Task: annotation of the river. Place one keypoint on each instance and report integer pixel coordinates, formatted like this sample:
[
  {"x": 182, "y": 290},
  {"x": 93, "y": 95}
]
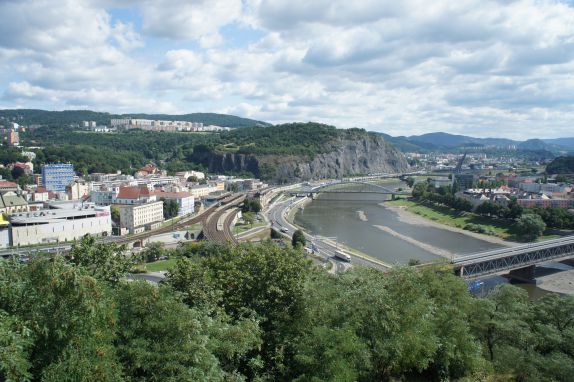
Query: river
[{"x": 362, "y": 222}]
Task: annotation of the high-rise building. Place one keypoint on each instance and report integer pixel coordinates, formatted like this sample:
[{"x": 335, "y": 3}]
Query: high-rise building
[
  {"x": 13, "y": 138},
  {"x": 55, "y": 177}
]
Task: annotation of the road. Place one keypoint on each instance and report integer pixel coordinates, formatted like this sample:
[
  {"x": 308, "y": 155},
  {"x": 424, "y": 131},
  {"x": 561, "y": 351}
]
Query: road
[{"x": 323, "y": 248}]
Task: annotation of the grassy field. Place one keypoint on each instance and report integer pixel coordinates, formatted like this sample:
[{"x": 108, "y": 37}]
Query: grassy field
[
  {"x": 240, "y": 228},
  {"x": 161, "y": 265},
  {"x": 453, "y": 218}
]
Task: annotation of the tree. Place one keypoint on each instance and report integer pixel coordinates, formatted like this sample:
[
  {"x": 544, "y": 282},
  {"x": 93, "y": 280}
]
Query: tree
[
  {"x": 192, "y": 178},
  {"x": 248, "y": 218},
  {"x": 163, "y": 339},
  {"x": 530, "y": 226},
  {"x": 262, "y": 281},
  {"x": 298, "y": 239},
  {"x": 115, "y": 211},
  {"x": 103, "y": 261},
  {"x": 69, "y": 316},
  {"x": 153, "y": 251},
  {"x": 251, "y": 205},
  {"x": 170, "y": 208},
  {"x": 410, "y": 181}
]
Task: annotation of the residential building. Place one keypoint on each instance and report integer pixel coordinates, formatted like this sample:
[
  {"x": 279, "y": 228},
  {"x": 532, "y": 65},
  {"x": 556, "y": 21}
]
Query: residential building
[
  {"x": 10, "y": 202},
  {"x": 186, "y": 174},
  {"x": 134, "y": 195},
  {"x": 201, "y": 190},
  {"x": 77, "y": 190},
  {"x": 55, "y": 177},
  {"x": 141, "y": 217},
  {"x": 6, "y": 186},
  {"x": 465, "y": 181},
  {"x": 13, "y": 138},
  {"x": 104, "y": 197},
  {"x": 185, "y": 201},
  {"x": 66, "y": 222}
]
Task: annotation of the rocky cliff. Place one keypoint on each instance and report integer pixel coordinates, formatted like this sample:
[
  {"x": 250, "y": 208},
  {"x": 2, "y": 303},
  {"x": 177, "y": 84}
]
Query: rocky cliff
[{"x": 369, "y": 154}]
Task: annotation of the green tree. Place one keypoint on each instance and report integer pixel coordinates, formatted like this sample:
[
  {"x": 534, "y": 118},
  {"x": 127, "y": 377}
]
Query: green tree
[
  {"x": 170, "y": 208},
  {"x": 115, "y": 211},
  {"x": 163, "y": 339},
  {"x": 70, "y": 318},
  {"x": 248, "y": 218},
  {"x": 530, "y": 226},
  {"x": 298, "y": 239},
  {"x": 103, "y": 261},
  {"x": 410, "y": 181},
  {"x": 153, "y": 251},
  {"x": 245, "y": 280}
]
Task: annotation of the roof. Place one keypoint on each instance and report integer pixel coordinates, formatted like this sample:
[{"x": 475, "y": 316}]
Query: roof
[
  {"x": 7, "y": 184},
  {"x": 12, "y": 201},
  {"x": 135, "y": 192},
  {"x": 172, "y": 195}
]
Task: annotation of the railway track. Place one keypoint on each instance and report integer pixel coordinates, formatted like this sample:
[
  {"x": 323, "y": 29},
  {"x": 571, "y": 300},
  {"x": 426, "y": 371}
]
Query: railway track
[
  {"x": 201, "y": 218},
  {"x": 217, "y": 224}
]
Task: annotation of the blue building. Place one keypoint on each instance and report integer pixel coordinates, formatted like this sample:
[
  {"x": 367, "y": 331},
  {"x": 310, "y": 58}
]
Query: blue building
[{"x": 55, "y": 177}]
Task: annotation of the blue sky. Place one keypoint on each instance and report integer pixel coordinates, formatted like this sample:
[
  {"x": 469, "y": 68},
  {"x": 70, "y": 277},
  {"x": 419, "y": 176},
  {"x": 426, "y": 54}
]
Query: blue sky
[{"x": 475, "y": 67}]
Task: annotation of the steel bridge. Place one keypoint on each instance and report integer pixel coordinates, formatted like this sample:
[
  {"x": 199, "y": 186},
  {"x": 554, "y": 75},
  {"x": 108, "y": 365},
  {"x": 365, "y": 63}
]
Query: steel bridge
[
  {"x": 350, "y": 187},
  {"x": 514, "y": 258}
]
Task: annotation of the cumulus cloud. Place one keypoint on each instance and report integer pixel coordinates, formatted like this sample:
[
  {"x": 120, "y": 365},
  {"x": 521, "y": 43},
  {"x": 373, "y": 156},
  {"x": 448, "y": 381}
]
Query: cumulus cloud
[{"x": 479, "y": 67}]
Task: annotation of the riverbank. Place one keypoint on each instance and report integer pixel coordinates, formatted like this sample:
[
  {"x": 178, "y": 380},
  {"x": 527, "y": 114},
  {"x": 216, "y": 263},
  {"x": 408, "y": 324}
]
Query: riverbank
[
  {"x": 426, "y": 216},
  {"x": 560, "y": 282}
]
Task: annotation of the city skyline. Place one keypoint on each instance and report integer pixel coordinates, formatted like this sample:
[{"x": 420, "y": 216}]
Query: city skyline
[{"x": 473, "y": 68}]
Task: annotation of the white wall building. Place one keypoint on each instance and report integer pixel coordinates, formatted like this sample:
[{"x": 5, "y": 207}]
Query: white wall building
[
  {"x": 138, "y": 218},
  {"x": 60, "y": 225}
]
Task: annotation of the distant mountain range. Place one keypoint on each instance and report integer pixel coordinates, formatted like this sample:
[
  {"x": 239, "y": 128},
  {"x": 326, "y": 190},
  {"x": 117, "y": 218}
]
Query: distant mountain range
[
  {"x": 66, "y": 117},
  {"x": 446, "y": 141}
]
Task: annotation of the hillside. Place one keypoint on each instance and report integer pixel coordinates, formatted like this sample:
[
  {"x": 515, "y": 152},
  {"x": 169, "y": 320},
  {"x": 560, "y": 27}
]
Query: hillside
[
  {"x": 67, "y": 117},
  {"x": 451, "y": 142},
  {"x": 276, "y": 153},
  {"x": 561, "y": 165}
]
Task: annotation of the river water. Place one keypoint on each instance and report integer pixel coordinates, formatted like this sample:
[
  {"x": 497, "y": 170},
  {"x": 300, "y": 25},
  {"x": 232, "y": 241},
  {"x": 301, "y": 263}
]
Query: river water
[
  {"x": 360, "y": 221},
  {"x": 356, "y": 219}
]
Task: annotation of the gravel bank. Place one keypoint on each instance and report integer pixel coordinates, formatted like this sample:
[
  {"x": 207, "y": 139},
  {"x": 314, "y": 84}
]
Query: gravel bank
[
  {"x": 412, "y": 218},
  {"x": 561, "y": 282}
]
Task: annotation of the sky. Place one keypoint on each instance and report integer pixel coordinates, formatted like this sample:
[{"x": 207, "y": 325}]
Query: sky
[{"x": 475, "y": 67}]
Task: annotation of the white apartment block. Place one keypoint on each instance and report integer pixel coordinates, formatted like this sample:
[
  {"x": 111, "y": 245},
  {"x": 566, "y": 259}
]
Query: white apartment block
[{"x": 138, "y": 218}]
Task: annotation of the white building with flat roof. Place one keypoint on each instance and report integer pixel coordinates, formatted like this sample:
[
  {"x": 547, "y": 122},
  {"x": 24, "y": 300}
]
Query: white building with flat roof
[
  {"x": 67, "y": 223},
  {"x": 141, "y": 217}
]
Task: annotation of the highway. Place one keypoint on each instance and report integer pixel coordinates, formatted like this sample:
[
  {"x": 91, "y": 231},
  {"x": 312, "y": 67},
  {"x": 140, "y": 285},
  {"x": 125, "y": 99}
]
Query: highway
[{"x": 322, "y": 247}]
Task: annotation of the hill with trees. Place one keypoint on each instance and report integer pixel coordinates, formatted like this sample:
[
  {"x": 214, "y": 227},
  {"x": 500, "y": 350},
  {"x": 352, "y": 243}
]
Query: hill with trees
[
  {"x": 262, "y": 313},
  {"x": 257, "y": 150},
  {"x": 68, "y": 117},
  {"x": 561, "y": 165}
]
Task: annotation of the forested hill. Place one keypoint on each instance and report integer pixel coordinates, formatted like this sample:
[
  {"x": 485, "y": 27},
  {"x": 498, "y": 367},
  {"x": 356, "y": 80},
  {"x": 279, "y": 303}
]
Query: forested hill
[
  {"x": 67, "y": 117},
  {"x": 561, "y": 165},
  {"x": 280, "y": 152}
]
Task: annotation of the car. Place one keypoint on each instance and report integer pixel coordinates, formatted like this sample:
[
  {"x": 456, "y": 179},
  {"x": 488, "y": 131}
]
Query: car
[{"x": 284, "y": 230}]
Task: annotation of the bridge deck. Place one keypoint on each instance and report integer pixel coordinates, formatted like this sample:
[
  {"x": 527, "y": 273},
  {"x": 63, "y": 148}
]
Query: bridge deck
[{"x": 491, "y": 262}]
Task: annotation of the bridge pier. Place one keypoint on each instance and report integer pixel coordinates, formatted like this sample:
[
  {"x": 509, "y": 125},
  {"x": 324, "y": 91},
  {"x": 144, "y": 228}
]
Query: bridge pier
[{"x": 525, "y": 274}]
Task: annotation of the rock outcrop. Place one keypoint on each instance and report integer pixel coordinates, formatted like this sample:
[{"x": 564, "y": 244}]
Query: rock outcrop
[{"x": 369, "y": 154}]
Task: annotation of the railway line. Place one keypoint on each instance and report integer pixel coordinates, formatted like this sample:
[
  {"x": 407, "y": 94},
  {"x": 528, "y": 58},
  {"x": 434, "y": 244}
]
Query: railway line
[{"x": 217, "y": 224}]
